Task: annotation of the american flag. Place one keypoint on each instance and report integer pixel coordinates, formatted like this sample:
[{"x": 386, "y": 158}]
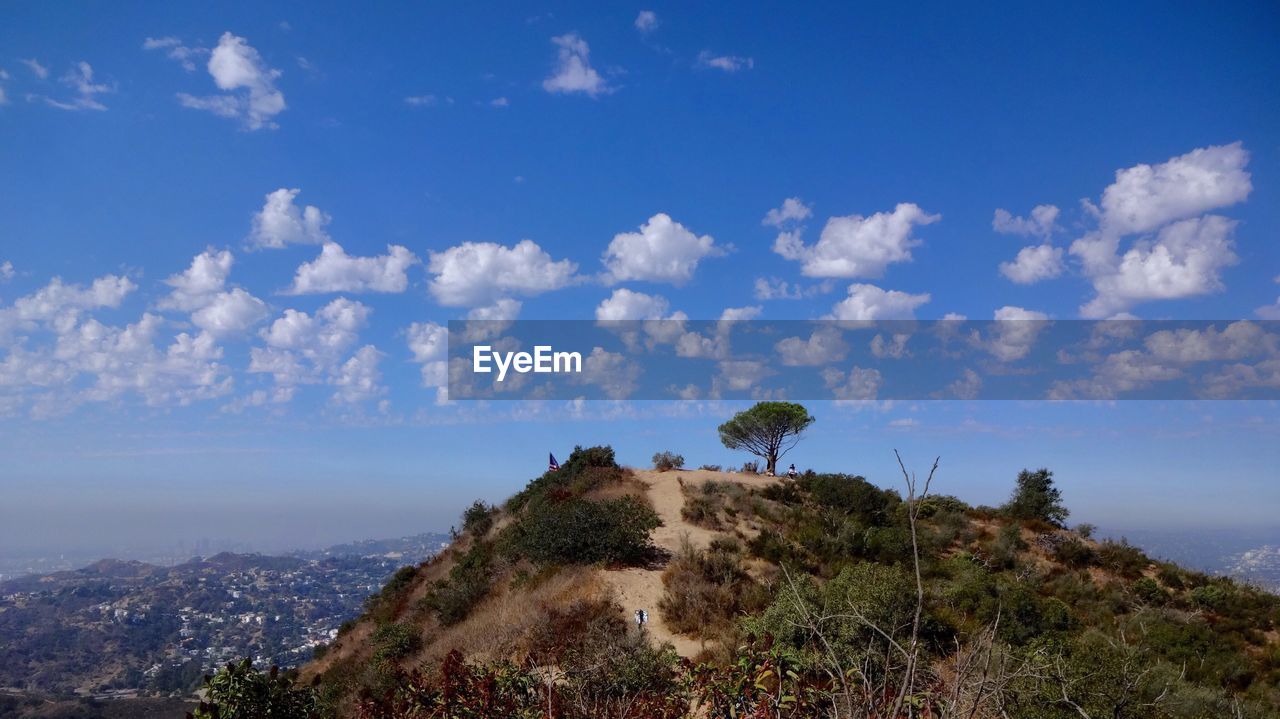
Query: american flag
[{"x": 553, "y": 465}]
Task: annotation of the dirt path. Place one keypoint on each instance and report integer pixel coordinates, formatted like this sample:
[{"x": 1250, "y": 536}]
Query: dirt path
[{"x": 642, "y": 588}]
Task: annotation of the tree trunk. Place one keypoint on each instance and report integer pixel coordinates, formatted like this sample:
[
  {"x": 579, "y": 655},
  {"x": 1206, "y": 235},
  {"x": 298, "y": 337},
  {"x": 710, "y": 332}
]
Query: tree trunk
[{"x": 771, "y": 466}]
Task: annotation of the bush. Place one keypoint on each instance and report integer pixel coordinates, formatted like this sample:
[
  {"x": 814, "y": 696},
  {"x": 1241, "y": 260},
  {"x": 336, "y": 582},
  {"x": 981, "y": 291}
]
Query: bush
[
  {"x": 392, "y": 642},
  {"x": 469, "y": 581},
  {"x": 1035, "y": 497},
  {"x": 478, "y": 519},
  {"x": 1074, "y": 553},
  {"x": 666, "y": 461},
  {"x": 710, "y": 467},
  {"x": 1122, "y": 558},
  {"x": 752, "y": 467},
  {"x": 585, "y": 470},
  {"x": 578, "y": 531},
  {"x": 705, "y": 590},
  {"x": 239, "y": 692}
]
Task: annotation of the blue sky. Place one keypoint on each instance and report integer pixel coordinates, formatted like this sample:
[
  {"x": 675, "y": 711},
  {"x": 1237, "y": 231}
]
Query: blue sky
[{"x": 224, "y": 356}]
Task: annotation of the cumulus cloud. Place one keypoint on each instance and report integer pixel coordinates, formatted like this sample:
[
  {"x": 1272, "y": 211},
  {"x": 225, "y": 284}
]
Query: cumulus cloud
[
  {"x": 615, "y": 375},
  {"x": 573, "y": 72},
  {"x": 281, "y": 222},
  {"x": 248, "y": 85},
  {"x": 772, "y": 288},
  {"x": 868, "y": 302},
  {"x": 857, "y": 246},
  {"x": 1035, "y": 263},
  {"x": 739, "y": 314},
  {"x": 727, "y": 63},
  {"x": 858, "y": 384},
  {"x": 230, "y": 313},
  {"x": 479, "y": 273},
  {"x": 197, "y": 285},
  {"x": 336, "y": 271},
  {"x": 1185, "y": 259},
  {"x": 647, "y": 21},
  {"x": 358, "y": 379},
  {"x": 1190, "y": 249},
  {"x": 61, "y": 304},
  {"x": 6, "y": 271},
  {"x": 824, "y": 346},
  {"x": 305, "y": 349},
  {"x": 662, "y": 251},
  {"x": 1014, "y": 333},
  {"x": 1040, "y": 223},
  {"x": 429, "y": 343},
  {"x": 625, "y": 304},
  {"x": 793, "y": 210}
]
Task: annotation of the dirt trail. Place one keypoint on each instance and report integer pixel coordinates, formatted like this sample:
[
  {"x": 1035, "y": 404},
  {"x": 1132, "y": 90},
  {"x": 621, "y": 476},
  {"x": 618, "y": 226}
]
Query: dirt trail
[{"x": 642, "y": 588}]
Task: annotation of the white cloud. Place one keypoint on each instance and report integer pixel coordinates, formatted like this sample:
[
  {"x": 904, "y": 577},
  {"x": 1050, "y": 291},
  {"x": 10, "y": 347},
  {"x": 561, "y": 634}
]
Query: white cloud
[
  {"x": 196, "y": 286},
  {"x": 1188, "y": 253},
  {"x": 1035, "y": 263},
  {"x": 6, "y": 271},
  {"x": 230, "y": 313},
  {"x": 967, "y": 387},
  {"x": 857, "y": 246},
  {"x": 429, "y": 343},
  {"x": 793, "y": 210},
  {"x": 80, "y": 79},
  {"x": 647, "y": 21},
  {"x": 868, "y": 302},
  {"x": 336, "y": 271},
  {"x": 740, "y": 375},
  {"x": 824, "y": 346},
  {"x": 772, "y": 288},
  {"x": 728, "y": 63},
  {"x": 176, "y": 51},
  {"x": 302, "y": 348},
  {"x": 612, "y": 372},
  {"x": 739, "y": 314},
  {"x": 249, "y": 86},
  {"x": 280, "y": 222},
  {"x": 859, "y": 384},
  {"x": 1236, "y": 341},
  {"x": 662, "y": 251},
  {"x": 625, "y": 304},
  {"x": 1185, "y": 259},
  {"x": 422, "y": 100},
  {"x": 1014, "y": 333},
  {"x": 573, "y": 71},
  {"x": 1040, "y": 223},
  {"x": 502, "y": 310},
  {"x": 358, "y": 379},
  {"x": 36, "y": 68},
  {"x": 480, "y": 273},
  {"x": 895, "y": 347},
  {"x": 1145, "y": 197},
  {"x": 499, "y": 102},
  {"x": 60, "y": 304}
]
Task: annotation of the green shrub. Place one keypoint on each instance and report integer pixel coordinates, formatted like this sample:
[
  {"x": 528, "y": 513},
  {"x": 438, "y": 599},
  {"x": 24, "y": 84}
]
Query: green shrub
[
  {"x": 1074, "y": 553},
  {"x": 478, "y": 519},
  {"x": 1035, "y": 497},
  {"x": 578, "y": 531},
  {"x": 1122, "y": 558},
  {"x": 238, "y": 691},
  {"x": 705, "y": 590},
  {"x": 392, "y": 642},
  {"x": 469, "y": 581},
  {"x": 666, "y": 461}
]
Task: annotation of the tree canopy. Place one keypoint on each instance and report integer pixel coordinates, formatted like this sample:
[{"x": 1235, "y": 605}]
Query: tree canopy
[
  {"x": 1035, "y": 497},
  {"x": 768, "y": 430}
]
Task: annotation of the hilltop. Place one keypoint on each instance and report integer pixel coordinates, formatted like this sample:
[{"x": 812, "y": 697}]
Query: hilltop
[{"x": 786, "y": 598}]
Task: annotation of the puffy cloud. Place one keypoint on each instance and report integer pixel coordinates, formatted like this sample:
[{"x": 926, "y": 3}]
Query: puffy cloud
[
  {"x": 230, "y": 313},
  {"x": 824, "y": 346},
  {"x": 502, "y": 310},
  {"x": 1145, "y": 197},
  {"x": 249, "y": 86},
  {"x": 6, "y": 271},
  {"x": 647, "y": 21},
  {"x": 358, "y": 379},
  {"x": 80, "y": 79},
  {"x": 1014, "y": 333},
  {"x": 1185, "y": 259},
  {"x": 573, "y": 71},
  {"x": 740, "y": 375},
  {"x": 1188, "y": 253},
  {"x": 739, "y": 314},
  {"x": 857, "y": 246},
  {"x": 303, "y": 349},
  {"x": 480, "y": 273},
  {"x": 336, "y": 271},
  {"x": 176, "y": 51},
  {"x": 728, "y": 63},
  {"x": 429, "y": 343},
  {"x": 625, "y": 304},
  {"x": 868, "y": 302},
  {"x": 1040, "y": 223},
  {"x": 895, "y": 347},
  {"x": 1035, "y": 263},
  {"x": 612, "y": 372},
  {"x": 422, "y": 100},
  {"x": 281, "y": 222},
  {"x": 662, "y": 251},
  {"x": 859, "y": 384},
  {"x": 793, "y": 210},
  {"x": 60, "y": 304},
  {"x": 196, "y": 286},
  {"x": 772, "y": 288},
  {"x": 1236, "y": 341}
]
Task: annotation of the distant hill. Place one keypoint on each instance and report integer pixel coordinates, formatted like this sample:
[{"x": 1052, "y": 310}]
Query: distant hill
[
  {"x": 122, "y": 628},
  {"x": 772, "y": 597}
]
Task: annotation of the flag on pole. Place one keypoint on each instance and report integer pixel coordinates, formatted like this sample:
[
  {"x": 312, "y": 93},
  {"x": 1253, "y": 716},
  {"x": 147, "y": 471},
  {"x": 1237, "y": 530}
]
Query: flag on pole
[{"x": 553, "y": 465}]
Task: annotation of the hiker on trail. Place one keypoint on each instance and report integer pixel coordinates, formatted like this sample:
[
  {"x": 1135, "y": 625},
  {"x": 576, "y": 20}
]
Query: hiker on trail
[
  {"x": 642, "y": 618},
  {"x": 791, "y": 472}
]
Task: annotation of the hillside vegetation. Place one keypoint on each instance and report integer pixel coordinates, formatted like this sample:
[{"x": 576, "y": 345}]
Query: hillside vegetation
[{"x": 819, "y": 596}]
